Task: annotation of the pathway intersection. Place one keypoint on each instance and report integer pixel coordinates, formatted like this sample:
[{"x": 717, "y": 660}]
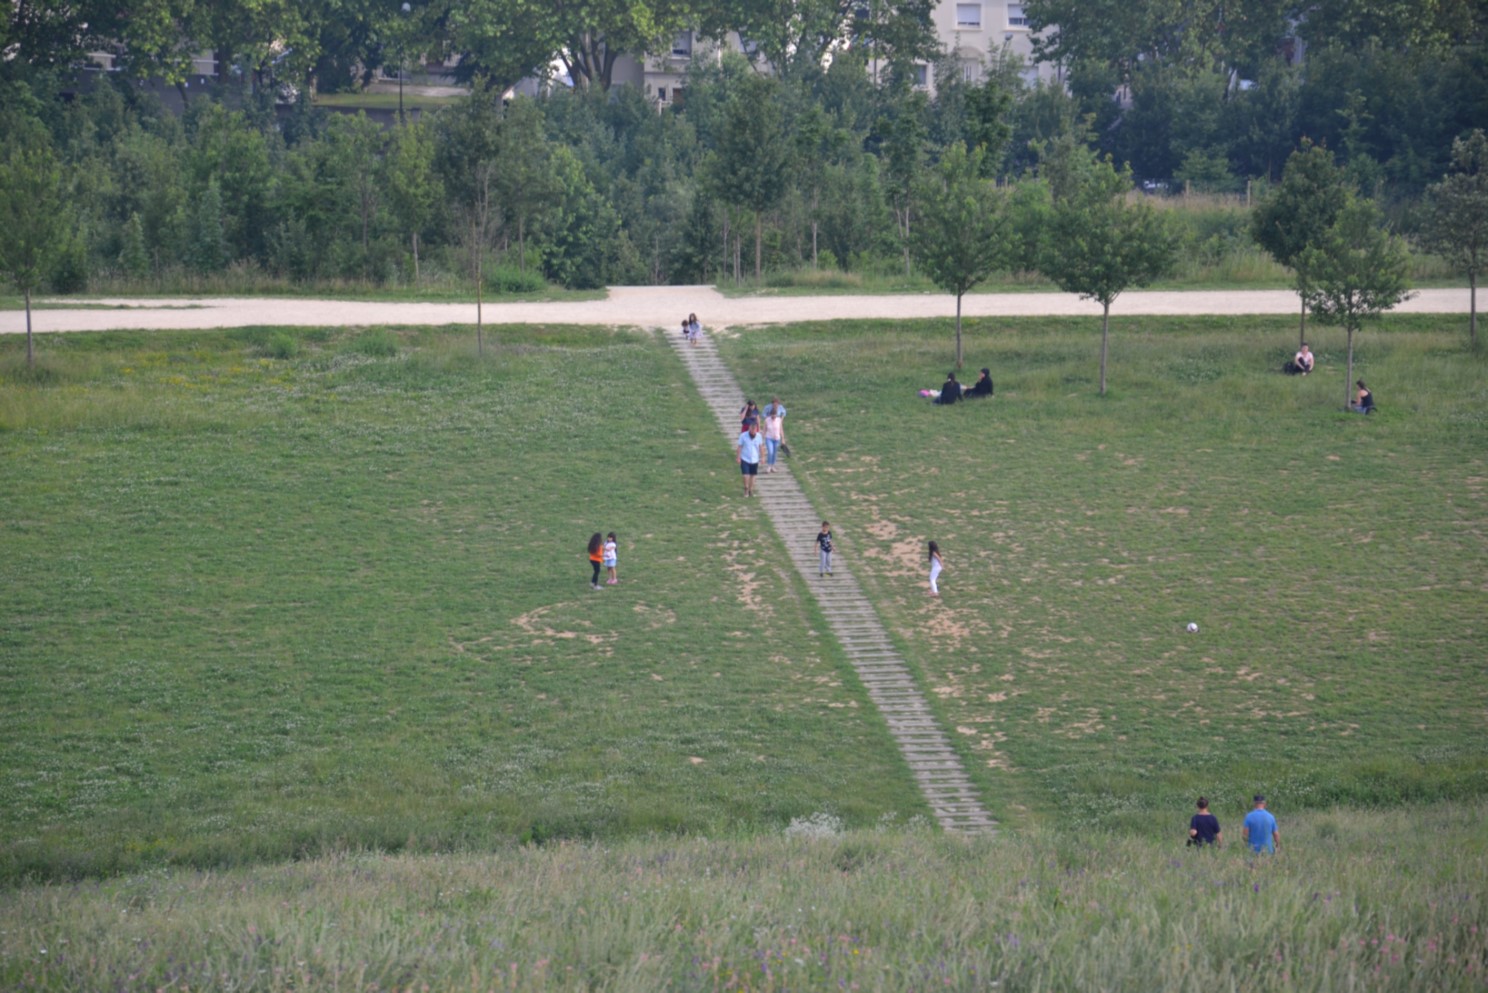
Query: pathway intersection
[{"x": 934, "y": 763}]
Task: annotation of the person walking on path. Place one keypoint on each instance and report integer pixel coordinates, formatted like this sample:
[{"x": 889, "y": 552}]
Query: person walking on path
[
  {"x": 935, "y": 566},
  {"x": 1203, "y": 827},
  {"x": 611, "y": 547},
  {"x": 1259, "y": 828},
  {"x": 747, "y": 451},
  {"x": 694, "y": 329},
  {"x": 596, "y": 557},
  {"x": 824, "y": 546},
  {"x": 774, "y": 435}
]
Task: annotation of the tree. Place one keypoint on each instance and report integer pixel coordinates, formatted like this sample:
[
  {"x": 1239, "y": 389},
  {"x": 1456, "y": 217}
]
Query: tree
[
  {"x": 467, "y": 147},
  {"x": 1457, "y": 217},
  {"x": 1305, "y": 204},
  {"x": 799, "y": 37},
  {"x": 497, "y": 41},
  {"x": 962, "y": 235},
  {"x": 1358, "y": 271},
  {"x": 1099, "y": 244},
  {"x": 353, "y": 148},
  {"x": 32, "y": 217},
  {"x": 901, "y": 134},
  {"x": 752, "y": 154},
  {"x": 413, "y": 188},
  {"x": 525, "y": 182}
]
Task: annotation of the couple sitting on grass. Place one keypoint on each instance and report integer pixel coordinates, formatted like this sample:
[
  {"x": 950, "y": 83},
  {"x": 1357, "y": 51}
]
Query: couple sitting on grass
[{"x": 952, "y": 391}]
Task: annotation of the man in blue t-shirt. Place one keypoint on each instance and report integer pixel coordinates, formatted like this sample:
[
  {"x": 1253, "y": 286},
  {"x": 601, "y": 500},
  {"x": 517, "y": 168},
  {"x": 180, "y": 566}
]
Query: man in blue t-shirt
[
  {"x": 747, "y": 451},
  {"x": 1259, "y": 828}
]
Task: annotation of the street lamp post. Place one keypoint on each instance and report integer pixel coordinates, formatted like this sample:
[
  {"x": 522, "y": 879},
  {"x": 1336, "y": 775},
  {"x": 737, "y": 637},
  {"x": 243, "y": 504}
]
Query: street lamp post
[{"x": 402, "y": 56}]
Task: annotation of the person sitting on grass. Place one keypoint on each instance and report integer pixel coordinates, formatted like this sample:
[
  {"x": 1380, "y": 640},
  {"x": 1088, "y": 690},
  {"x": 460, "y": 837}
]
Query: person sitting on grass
[
  {"x": 982, "y": 387},
  {"x": 951, "y": 391},
  {"x": 1301, "y": 363},
  {"x": 1363, "y": 399}
]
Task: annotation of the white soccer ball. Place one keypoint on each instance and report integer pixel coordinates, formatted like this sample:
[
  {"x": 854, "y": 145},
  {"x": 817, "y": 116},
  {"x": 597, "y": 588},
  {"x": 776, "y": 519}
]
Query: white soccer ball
[{"x": 1193, "y": 628}]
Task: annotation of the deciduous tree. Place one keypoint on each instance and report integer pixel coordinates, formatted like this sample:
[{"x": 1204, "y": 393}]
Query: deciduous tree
[
  {"x": 1357, "y": 272},
  {"x": 962, "y": 234},
  {"x": 32, "y": 218},
  {"x": 1457, "y": 217},
  {"x": 1100, "y": 244},
  {"x": 1304, "y": 205}
]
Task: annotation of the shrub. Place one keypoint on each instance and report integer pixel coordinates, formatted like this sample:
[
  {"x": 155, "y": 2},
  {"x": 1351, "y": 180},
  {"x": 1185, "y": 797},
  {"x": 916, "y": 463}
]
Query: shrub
[{"x": 379, "y": 343}]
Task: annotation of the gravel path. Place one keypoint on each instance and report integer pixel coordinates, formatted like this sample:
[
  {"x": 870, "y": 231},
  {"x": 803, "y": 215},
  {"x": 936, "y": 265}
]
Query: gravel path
[{"x": 664, "y": 306}]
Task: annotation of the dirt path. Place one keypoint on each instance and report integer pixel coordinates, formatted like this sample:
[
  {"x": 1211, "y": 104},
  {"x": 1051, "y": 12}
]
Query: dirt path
[{"x": 662, "y": 306}]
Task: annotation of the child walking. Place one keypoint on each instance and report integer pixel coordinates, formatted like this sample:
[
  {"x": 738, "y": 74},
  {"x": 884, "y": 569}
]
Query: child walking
[
  {"x": 610, "y": 546},
  {"x": 824, "y": 543},
  {"x": 596, "y": 556},
  {"x": 935, "y": 566}
]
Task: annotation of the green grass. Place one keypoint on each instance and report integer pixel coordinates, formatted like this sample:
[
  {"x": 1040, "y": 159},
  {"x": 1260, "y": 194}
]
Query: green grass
[
  {"x": 270, "y": 597},
  {"x": 1334, "y": 563},
  {"x": 1379, "y": 901},
  {"x": 258, "y": 609}
]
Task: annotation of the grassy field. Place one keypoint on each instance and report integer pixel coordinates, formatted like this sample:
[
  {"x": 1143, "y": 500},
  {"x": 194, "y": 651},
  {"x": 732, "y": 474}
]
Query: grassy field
[
  {"x": 260, "y": 608},
  {"x": 319, "y": 597},
  {"x": 1335, "y": 564}
]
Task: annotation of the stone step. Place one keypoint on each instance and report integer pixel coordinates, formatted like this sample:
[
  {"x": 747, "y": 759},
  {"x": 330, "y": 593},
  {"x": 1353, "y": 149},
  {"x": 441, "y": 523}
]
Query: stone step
[{"x": 853, "y": 621}]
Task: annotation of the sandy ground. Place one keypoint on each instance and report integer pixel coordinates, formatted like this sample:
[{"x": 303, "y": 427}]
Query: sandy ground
[{"x": 661, "y": 306}]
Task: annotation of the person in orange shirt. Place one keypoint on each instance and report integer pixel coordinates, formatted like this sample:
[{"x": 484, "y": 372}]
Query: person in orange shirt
[{"x": 596, "y": 557}]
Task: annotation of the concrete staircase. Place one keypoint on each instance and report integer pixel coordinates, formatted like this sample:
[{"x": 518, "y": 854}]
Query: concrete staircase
[{"x": 935, "y": 765}]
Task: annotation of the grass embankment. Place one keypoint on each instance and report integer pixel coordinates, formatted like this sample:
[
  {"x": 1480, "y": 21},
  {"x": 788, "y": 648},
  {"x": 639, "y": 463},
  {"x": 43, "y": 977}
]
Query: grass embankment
[
  {"x": 282, "y": 595},
  {"x": 1379, "y": 901}
]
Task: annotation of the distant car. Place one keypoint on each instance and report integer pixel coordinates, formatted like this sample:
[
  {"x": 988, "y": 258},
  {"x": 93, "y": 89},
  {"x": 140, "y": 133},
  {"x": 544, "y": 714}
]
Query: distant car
[{"x": 1154, "y": 186}]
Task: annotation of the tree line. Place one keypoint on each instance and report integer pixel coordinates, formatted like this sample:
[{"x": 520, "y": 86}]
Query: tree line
[{"x": 821, "y": 165}]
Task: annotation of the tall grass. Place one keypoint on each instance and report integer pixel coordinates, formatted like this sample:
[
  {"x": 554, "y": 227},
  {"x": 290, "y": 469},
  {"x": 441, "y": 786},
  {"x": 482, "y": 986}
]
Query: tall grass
[{"x": 1383, "y": 901}]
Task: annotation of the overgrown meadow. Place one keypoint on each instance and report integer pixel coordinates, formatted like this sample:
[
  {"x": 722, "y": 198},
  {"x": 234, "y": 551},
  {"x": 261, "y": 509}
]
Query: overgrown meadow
[
  {"x": 1378, "y": 901},
  {"x": 321, "y": 597}
]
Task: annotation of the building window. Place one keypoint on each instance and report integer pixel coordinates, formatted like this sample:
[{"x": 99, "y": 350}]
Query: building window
[
  {"x": 1016, "y": 17},
  {"x": 968, "y": 15},
  {"x": 920, "y": 75},
  {"x": 682, "y": 45},
  {"x": 661, "y": 94}
]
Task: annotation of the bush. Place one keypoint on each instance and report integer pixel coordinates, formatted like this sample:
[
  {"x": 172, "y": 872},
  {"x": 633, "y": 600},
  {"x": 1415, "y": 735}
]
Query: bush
[
  {"x": 282, "y": 345},
  {"x": 505, "y": 279},
  {"x": 379, "y": 343}
]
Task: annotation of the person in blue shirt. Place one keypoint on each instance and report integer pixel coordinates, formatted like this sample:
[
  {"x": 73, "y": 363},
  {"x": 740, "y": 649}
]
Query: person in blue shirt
[
  {"x": 1259, "y": 828},
  {"x": 747, "y": 452}
]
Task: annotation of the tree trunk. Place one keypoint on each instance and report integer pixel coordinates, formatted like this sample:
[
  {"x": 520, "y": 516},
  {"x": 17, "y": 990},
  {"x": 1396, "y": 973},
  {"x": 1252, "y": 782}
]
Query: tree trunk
[
  {"x": 1302, "y": 322},
  {"x": 415, "y": 259},
  {"x": 1348, "y": 380},
  {"x": 1105, "y": 338},
  {"x": 958, "y": 332},
  {"x": 1472, "y": 309},
  {"x": 480, "y": 260},
  {"x": 759, "y": 241},
  {"x": 30, "y": 346}
]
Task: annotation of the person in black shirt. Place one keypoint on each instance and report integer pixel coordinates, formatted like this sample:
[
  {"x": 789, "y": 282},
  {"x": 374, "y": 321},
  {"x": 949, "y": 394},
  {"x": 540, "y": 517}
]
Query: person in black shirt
[
  {"x": 951, "y": 391},
  {"x": 982, "y": 387},
  {"x": 1203, "y": 827}
]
